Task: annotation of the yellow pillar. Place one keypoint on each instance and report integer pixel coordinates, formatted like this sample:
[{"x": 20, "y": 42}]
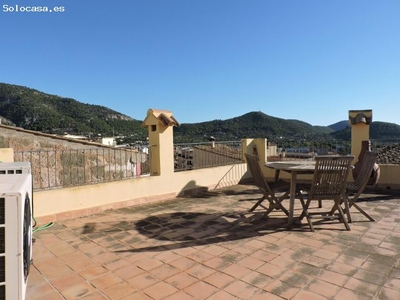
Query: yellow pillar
[
  {"x": 161, "y": 141},
  {"x": 360, "y": 121},
  {"x": 256, "y": 147},
  {"x": 6, "y": 155}
]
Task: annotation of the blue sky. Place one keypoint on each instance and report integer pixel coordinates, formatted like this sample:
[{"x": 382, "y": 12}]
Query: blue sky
[{"x": 309, "y": 60}]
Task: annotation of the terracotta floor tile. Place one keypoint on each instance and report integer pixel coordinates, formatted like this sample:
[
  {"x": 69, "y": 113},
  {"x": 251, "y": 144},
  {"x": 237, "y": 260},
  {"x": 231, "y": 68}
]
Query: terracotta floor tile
[
  {"x": 200, "y": 290},
  {"x": 128, "y": 271},
  {"x": 116, "y": 264},
  {"x": 61, "y": 249},
  {"x": 232, "y": 256},
  {"x": 306, "y": 295},
  {"x": 51, "y": 296},
  {"x": 257, "y": 279},
  {"x": 236, "y": 271},
  {"x": 217, "y": 263},
  {"x": 241, "y": 290},
  {"x": 93, "y": 251},
  {"x": 183, "y": 263},
  {"x": 264, "y": 295},
  {"x": 344, "y": 269},
  {"x": 371, "y": 276},
  {"x": 137, "y": 296},
  {"x": 64, "y": 282},
  {"x": 313, "y": 242},
  {"x": 78, "y": 291},
  {"x": 362, "y": 287},
  {"x": 282, "y": 289},
  {"x": 92, "y": 272},
  {"x": 39, "y": 290},
  {"x": 180, "y": 295},
  {"x": 72, "y": 257},
  {"x": 94, "y": 296},
  {"x": 295, "y": 279},
  {"x": 56, "y": 272},
  {"x": 219, "y": 280},
  {"x": 223, "y": 295},
  {"x": 251, "y": 262},
  {"x": 136, "y": 257},
  {"x": 143, "y": 281},
  {"x": 181, "y": 280},
  {"x": 200, "y": 271},
  {"x": 323, "y": 253},
  {"x": 256, "y": 244},
  {"x": 271, "y": 270},
  {"x": 306, "y": 269},
  {"x": 334, "y": 248},
  {"x": 317, "y": 261},
  {"x": 346, "y": 294},
  {"x": 160, "y": 290},
  {"x": 149, "y": 264},
  {"x": 393, "y": 283},
  {"x": 264, "y": 255},
  {"x": 104, "y": 281},
  {"x": 164, "y": 271},
  {"x": 167, "y": 256},
  {"x": 184, "y": 251},
  {"x": 35, "y": 279},
  {"x": 119, "y": 290},
  {"x": 81, "y": 264},
  {"x": 200, "y": 256},
  {"x": 286, "y": 243},
  {"x": 350, "y": 260},
  {"x": 334, "y": 277},
  {"x": 105, "y": 258},
  {"x": 49, "y": 263},
  {"x": 388, "y": 293},
  {"x": 283, "y": 262},
  {"x": 324, "y": 288},
  {"x": 215, "y": 250}
]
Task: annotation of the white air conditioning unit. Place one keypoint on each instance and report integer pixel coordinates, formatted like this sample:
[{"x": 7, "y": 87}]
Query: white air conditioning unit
[
  {"x": 15, "y": 234},
  {"x": 9, "y": 168}
]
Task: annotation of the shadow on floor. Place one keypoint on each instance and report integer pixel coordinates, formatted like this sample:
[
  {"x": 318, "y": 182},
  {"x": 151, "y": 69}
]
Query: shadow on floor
[{"x": 187, "y": 229}]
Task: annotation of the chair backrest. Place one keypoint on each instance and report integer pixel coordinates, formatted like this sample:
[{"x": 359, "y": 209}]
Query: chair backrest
[
  {"x": 330, "y": 176},
  {"x": 258, "y": 176},
  {"x": 366, "y": 169}
]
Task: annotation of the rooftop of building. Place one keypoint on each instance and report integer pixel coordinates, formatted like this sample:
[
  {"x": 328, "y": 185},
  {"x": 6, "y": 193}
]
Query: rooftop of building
[{"x": 206, "y": 247}]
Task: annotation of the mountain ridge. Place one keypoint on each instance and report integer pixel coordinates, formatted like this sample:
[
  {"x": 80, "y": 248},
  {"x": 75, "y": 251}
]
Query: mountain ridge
[{"x": 35, "y": 110}]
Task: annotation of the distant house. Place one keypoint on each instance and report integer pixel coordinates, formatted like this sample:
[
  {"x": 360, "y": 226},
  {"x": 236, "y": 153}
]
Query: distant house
[
  {"x": 75, "y": 137},
  {"x": 108, "y": 141}
]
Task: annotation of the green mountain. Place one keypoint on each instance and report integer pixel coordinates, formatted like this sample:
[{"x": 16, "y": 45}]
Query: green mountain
[
  {"x": 31, "y": 109},
  {"x": 250, "y": 125},
  {"x": 378, "y": 131},
  {"x": 35, "y": 110}
]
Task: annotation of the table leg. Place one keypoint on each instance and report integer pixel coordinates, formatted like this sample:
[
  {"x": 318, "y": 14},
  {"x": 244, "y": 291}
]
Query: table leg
[
  {"x": 292, "y": 197},
  {"x": 276, "y": 175}
]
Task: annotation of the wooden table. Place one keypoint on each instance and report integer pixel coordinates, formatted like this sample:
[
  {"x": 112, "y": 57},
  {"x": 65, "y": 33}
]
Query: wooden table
[{"x": 293, "y": 167}]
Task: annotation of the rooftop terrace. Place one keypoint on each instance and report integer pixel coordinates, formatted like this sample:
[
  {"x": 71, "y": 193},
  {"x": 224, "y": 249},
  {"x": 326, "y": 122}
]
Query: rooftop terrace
[{"x": 202, "y": 247}]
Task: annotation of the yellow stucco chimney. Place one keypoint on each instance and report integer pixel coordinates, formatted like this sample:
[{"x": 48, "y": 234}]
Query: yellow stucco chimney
[
  {"x": 359, "y": 121},
  {"x": 161, "y": 140}
]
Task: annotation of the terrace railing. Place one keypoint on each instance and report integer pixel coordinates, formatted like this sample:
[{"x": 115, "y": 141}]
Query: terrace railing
[
  {"x": 191, "y": 156},
  {"x": 65, "y": 168},
  {"x": 289, "y": 150}
]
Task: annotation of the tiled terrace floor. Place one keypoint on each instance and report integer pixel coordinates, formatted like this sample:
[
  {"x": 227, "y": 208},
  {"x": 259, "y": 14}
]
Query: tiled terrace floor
[{"x": 197, "y": 248}]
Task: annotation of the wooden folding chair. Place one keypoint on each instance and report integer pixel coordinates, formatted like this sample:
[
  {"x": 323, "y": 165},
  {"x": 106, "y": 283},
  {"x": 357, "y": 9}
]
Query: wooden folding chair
[
  {"x": 328, "y": 184},
  {"x": 354, "y": 190},
  {"x": 268, "y": 190}
]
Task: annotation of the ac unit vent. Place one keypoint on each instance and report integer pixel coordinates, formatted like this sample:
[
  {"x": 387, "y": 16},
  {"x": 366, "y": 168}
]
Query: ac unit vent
[{"x": 15, "y": 234}]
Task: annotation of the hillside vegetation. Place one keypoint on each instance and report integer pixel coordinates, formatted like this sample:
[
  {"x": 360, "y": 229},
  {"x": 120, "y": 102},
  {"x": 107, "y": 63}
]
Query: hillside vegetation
[
  {"x": 34, "y": 110},
  {"x": 31, "y": 109}
]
